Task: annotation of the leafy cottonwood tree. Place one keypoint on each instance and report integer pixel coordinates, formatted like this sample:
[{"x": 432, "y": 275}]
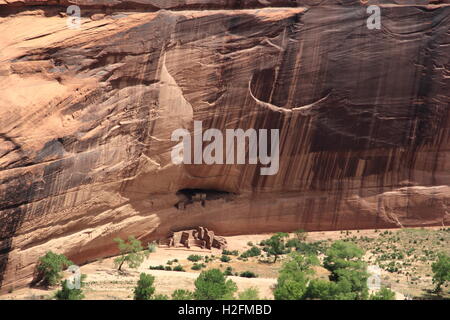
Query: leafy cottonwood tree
[
  {"x": 275, "y": 246},
  {"x": 342, "y": 255},
  {"x": 348, "y": 270},
  {"x": 50, "y": 267},
  {"x": 348, "y": 280},
  {"x": 441, "y": 271},
  {"x": 131, "y": 252},
  {"x": 212, "y": 285},
  {"x": 294, "y": 276}
]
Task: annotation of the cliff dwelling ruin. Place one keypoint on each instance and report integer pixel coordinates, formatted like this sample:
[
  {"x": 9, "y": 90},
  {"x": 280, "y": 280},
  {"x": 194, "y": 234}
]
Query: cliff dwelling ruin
[
  {"x": 190, "y": 196},
  {"x": 198, "y": 237}
]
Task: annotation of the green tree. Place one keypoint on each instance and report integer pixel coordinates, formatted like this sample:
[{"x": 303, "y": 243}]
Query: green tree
[
  {"x": 131, "y": 252},
  {"x": 249, "y": 294},
  {"x": 329, "y": 290},
  {"x": 275, "y": 246},
  {"x": 321, "y": 290},
  {"x": 294, "y": 276},
  {"x": 342, "y": 255},
  {"x": 348, "y": 270},
  {"x": 144, "y": 288},
  {"x": 441, "y": 271},
  {"x": 383, "y": 294},
  {"x": 355, "y": 283},
  {"x": 66, "y": 293},
  {"x": 212, "y": 285},
  {"x": 181, "y": 294},
  {"x": 50, "y": 267},
  {"x": 293, "y": 243}
]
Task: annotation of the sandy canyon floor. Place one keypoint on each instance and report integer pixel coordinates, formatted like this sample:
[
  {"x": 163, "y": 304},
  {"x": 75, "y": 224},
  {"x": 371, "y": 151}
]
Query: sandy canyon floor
[{"x": 404, "y": 255}]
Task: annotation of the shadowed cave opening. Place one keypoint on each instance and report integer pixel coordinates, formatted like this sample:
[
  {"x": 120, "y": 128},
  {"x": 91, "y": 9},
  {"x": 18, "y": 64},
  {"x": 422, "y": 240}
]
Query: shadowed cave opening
[{"x": 190, "y": 196}]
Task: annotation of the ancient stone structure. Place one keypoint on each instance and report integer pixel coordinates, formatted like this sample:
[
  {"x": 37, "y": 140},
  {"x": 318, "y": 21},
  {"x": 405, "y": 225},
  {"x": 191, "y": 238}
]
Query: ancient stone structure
[
  {"x": 86, "y": 117},
  {"x": 199, "y": 237}
]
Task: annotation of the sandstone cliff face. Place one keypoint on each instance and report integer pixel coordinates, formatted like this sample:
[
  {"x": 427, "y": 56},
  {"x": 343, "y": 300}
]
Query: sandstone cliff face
[{"x": 86, "y": 118}]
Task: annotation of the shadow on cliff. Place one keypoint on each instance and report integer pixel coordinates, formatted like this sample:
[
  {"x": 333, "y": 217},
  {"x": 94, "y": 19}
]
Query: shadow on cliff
[{"x": 11, "y": 216}]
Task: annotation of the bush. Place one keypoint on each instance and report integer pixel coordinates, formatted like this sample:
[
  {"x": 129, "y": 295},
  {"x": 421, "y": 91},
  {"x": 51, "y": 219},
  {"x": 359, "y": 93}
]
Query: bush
[
  {"x": 194, "y": 258},
  {"x": 392, "y": 267},
  {"x": 249, "y": 294},
  {"x": 248, "y": 274},
  {"x": 228, "y": 271},
  {"x": 181, "y": 294},
  {"x": 160, "y": 267},
  {"x": 65, "y": 293},
  {"x": 198, "y": 266},
  {"x": 383, "y": 294},
  {"x": 212, "y": 285},
  {"x": 252, "y": 252},
  {"x": 225, "y": 258},
  {"x": 167, "y": 268},
  {"x": 178, "y": 268},
  {"x": 144, "y": 289},
  {"x": 50, "y": 267},
  {"x": 230, "y": 253}
]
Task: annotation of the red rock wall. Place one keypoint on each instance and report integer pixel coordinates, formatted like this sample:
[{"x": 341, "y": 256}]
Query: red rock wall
[{"x": 86, "y": 118}]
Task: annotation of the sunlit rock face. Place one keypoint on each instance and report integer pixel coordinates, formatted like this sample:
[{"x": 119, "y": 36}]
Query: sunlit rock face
[{"x": 86, "y": 117}]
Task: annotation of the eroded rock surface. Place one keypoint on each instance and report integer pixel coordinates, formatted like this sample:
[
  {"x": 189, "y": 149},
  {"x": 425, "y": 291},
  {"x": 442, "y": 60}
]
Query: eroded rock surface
[{"x": 86, "y": 117}]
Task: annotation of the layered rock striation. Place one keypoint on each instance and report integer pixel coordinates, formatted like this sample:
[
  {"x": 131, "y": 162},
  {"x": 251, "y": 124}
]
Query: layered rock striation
[{"x": 86, "y": 117}]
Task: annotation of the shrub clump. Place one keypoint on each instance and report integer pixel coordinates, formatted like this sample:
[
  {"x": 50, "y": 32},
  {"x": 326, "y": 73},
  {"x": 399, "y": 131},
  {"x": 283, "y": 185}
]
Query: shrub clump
[
  {"x": 248, "y": 274},
  {"x": 144, "y": 288},
  {"x": 198, "y": 266},
  {"x": 50, "y": 267},
  {"x": 160, "y": 267},
  {"x": 225, "y": 258},
  {"x": 194, "y": 258},
  {"x": 230, "y": 253},
  {"x": 252, "y": 252}
]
